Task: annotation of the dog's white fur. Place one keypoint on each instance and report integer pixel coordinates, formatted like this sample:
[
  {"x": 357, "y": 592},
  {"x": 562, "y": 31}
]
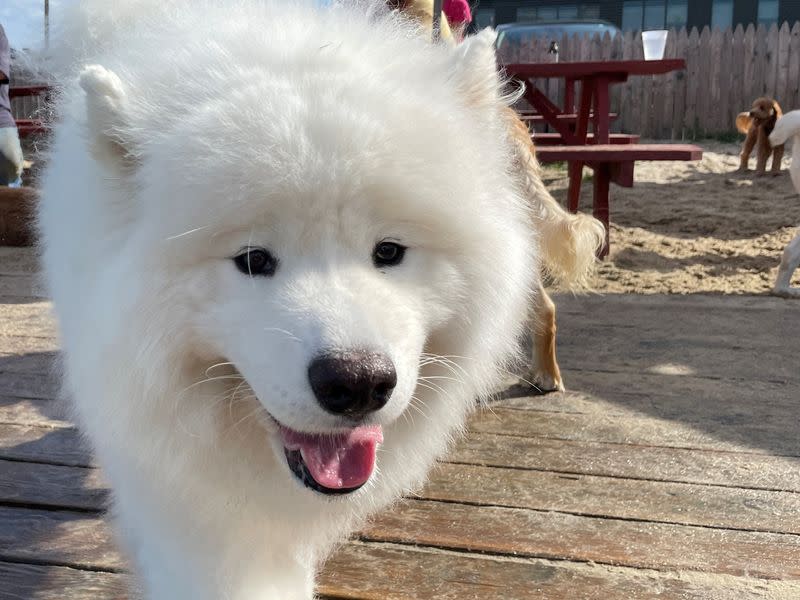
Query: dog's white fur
[
  {"x": 192, "y": 129},
  {"x": 788, "y": 126}
]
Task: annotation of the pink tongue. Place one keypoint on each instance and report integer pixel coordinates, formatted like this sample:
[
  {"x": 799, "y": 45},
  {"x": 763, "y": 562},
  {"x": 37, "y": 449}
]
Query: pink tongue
[{"x": 338, "y": 461}]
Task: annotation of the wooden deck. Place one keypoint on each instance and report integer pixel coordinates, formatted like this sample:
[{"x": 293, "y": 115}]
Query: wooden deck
[{"x": 670, "y": 470}]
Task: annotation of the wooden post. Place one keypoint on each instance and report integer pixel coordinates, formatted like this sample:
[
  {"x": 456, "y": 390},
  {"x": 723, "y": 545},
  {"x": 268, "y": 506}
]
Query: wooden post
[
  {"x": 46, "y": 24},
  {"x": 437, "y": 19}
]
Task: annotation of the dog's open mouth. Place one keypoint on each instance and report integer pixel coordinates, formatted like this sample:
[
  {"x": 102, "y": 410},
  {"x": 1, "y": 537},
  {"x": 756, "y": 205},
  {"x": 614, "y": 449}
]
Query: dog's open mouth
[{"x": 333, "y": 463}]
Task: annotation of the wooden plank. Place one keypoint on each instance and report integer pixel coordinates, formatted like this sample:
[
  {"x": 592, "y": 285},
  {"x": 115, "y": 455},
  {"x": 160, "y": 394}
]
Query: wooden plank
[
  {"x": 40, "y": 413},
  {"x": 704, "y": 77},
  {"x": 793, "y": 85},
  {"x": 756, "y": 471},
  {"x": 65, "y": 538},
  {"x": 664, "y": 106},
  {"x": 31, "y": 363},
  {"x": 752, "y": 471},
  {"x": 724, "y": 51},
  {"x": 693, "y": 58},
  {"x": 26, "y": 320},
  {"x": 681, "y": 51},
  {"x": 535, "y": 534},
  {"x": 772, "y": 60},
  {"x": 589, "y": 495},
  {"x": 59, "y": 446},
  {"x": 782, "y": 64},
  {"x": 655, "y": 501},
  {"x": 74, "y": 488},
  {"x": 761, "y": 66},
  {"x": 28, "y": 385},
  {"x": 40, "y": 582},
  {"x": 735, "y": 102},
  {"x": 21, "y": 287},
  {"x": 468, "y": 527},
  {"x": 699, "y": 355},
  {"x": 620, "y": 152},
  {"x": 14, "y": 344},
  {"x": 749, "y": 84},
  {"x": 678, "y": 396},
  {"x": 18, "y": 261},
  {"x": 367, "y": 571},
  {"x": 641, "y": 430},
  {"x": 494, "y": 530}
]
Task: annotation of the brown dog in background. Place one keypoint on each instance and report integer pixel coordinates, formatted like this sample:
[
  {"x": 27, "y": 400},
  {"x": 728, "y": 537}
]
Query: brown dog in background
[{"x": 758, "y": 123}]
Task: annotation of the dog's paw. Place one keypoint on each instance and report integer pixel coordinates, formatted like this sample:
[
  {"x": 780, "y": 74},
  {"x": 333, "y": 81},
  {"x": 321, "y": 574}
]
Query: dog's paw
[{"x": 544, "y": 383}]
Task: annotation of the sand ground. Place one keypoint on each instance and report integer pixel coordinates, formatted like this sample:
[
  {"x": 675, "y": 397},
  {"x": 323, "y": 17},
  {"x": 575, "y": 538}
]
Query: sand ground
[{"x": 694, "y": 227}]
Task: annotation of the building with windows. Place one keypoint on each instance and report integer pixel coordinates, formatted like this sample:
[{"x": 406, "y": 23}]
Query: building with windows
[{"x": 633, "y": 15}]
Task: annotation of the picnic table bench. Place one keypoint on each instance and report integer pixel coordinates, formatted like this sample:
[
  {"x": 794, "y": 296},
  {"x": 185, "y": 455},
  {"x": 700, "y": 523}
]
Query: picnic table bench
[
  {"x": 611, "y": 156},
  {"x": 28, "y": 127},
  {"x": 571, "y": 118},
  {"x": 555, "y": 139},
  {"x": 611, "y": 163}
]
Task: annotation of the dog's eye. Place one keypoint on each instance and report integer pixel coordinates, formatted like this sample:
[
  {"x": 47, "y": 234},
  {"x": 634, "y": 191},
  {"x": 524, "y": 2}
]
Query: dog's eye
[
  {"x": 256, "y": 261},
  {"x": 388, "y": 254}
]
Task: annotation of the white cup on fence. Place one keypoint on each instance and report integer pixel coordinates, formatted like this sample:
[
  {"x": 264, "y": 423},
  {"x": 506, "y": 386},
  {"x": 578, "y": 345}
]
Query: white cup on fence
[{"x": 654, "y": 43}]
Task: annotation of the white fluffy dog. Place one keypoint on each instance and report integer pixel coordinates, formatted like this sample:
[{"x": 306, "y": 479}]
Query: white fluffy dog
[
  {"x": 788, "y": 126},
  {"x": 286, "y": 253}
]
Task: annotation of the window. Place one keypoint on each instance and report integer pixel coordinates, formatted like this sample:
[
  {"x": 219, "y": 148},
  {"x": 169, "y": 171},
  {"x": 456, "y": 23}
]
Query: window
[
  {"x": 677, "y": 13},
  {"x": 547, "y": 13},
  {"x": 767, "y": 12},
  {"x": 568, "y": 12},
  {"x": 654, "y": 14},
  {"x": 632, "y": 15},
  {"x": 558, "y": 12},
  {"x": 722, "y": 14},
  {"x": 484, "y": 17}
]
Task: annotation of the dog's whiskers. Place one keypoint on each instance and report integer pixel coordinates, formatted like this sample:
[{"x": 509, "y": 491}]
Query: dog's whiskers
[
  {"x": 286, "y": 332},
  {"x": 185, "y": 233}
]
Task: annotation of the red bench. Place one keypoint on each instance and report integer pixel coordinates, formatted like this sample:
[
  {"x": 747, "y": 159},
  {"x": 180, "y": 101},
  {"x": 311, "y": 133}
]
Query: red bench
[
  {"x": 534, "y": 117},
  {"x": 27, "y": 90},
  {"x": 28, "y": 127},
  {"x": 555, "y": 139},
  {"x": 610, "y": 162}
]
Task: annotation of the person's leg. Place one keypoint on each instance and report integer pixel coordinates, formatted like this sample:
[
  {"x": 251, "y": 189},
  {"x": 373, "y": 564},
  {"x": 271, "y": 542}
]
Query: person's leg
[{"x": 10, "y": 156}]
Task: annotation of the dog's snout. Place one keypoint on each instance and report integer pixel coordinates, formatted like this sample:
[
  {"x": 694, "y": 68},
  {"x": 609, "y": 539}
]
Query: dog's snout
[{"x": 353, "y": 383}]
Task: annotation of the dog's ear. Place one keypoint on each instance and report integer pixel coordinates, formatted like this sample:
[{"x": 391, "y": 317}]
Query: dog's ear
[
  {"x": 743, "y": 122},
  {"x": 776, "y": 110},
  {"x": 106, "y": 103},
  {"x": 475, "y": 69}
]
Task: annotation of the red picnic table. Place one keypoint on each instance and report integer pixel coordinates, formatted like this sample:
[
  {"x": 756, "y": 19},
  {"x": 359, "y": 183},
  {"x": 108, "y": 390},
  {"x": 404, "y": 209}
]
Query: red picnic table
[
  {"x": 28, "y": 127},
  {"x": 611, "y": 156}
]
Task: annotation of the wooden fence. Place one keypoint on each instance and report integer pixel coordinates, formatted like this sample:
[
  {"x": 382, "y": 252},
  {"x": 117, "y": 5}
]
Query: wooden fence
[{"x": 725, "y": 72}]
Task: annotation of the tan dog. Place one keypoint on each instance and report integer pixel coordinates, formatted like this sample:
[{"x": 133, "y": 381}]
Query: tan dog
[
  {"x": 758, "y": 123},
  {"x": 568, "y": 242},
  {"x": 568, "y": 245}
]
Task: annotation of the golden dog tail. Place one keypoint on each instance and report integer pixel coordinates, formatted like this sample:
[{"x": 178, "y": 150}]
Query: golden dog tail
[
  {"x": 743, "y": 122},
  {"x": 568, "y": 242}
]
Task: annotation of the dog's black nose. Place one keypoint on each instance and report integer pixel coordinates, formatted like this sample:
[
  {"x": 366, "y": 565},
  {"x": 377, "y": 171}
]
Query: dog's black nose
[{"x": 353, "y": 383}]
